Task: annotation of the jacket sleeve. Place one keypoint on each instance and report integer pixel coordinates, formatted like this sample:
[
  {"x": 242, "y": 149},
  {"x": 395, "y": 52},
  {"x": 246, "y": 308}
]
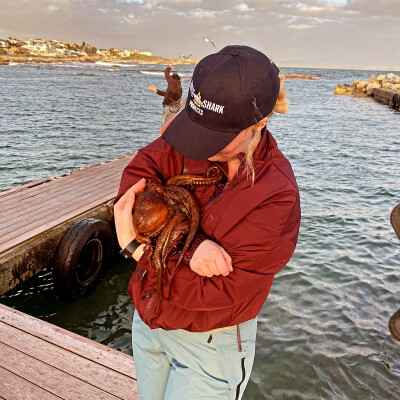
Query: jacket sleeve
[
  {"x": 257, "y": 256},
  {"x": 160, "y": 92}
]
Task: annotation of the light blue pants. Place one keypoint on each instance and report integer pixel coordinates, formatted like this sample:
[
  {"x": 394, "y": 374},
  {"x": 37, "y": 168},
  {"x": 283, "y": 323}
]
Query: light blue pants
[{"x": 182, "y": 365}]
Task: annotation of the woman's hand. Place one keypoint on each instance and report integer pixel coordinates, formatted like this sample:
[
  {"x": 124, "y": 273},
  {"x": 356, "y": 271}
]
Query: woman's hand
[
  {"x": 123, "y": 214},
  {"x": 153, "y": 88},
  {"x": 211, "y": 259}
]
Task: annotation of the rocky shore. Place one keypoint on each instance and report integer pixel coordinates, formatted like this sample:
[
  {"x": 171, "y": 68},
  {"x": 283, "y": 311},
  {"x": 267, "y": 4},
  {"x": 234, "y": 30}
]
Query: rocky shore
[
  {"x": 366, "y": 88},
  {"x": 7, "y": 59}
]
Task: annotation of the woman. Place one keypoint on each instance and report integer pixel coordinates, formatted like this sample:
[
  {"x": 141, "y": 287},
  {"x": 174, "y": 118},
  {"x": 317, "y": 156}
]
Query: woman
[{"x": 200, "y": 342}]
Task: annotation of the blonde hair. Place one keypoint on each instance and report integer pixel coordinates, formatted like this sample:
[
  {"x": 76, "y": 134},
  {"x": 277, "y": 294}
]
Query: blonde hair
[{"x": 281, "y": 106}]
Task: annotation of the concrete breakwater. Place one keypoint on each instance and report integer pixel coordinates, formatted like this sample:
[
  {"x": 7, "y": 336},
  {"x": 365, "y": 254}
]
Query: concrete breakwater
[{"x": 384, "y": 88}]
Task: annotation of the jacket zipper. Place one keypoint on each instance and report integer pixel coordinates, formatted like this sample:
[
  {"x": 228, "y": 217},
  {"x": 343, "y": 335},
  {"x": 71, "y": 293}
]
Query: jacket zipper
[{"x": 224, "y": 190}]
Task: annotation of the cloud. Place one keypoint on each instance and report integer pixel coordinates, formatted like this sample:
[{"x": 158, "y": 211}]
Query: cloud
[{"x": 313, "y": 30}]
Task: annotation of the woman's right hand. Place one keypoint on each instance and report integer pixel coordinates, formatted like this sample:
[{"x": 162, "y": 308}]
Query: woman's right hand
[
  {"x": 211, "y": 259},
  {"x": 123, "y": 214},
  {"x": 153, "y": 88}
]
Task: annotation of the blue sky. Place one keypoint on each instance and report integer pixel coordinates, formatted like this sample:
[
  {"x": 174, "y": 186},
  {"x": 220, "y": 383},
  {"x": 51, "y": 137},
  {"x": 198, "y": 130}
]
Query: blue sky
[{"x": 328, "y": 33}]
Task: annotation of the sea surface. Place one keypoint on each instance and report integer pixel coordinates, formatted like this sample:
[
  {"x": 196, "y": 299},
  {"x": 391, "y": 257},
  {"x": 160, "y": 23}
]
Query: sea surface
[{"x": 322, "y": 333}]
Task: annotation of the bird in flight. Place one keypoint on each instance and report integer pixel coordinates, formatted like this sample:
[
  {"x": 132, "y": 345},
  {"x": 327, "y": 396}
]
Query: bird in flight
[
  {"x": 209, "y": 41},
  {"x": 185, "y": 57}
]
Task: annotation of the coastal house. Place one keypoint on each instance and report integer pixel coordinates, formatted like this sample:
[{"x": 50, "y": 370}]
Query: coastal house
[
  {"x": 13, "y": 41},
  {"x": 4, "y": 44},
  {"x": 145, "y": 53},
  {"x": 40, "y": 47},
  {"x": 102, "y": 52}
]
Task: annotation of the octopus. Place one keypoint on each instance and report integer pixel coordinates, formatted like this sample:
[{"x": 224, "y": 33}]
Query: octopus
[{"x": 162, "y": 214}]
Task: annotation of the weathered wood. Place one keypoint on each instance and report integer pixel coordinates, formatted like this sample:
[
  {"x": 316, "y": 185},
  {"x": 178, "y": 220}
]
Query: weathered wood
[
  {"x": 77, "y": 344},
  {"x": 13, "y": 387},
  {"x": 49, "y": 378},
  {"x": 59, "y": 187},
  {"x": 35, "y": 216},
  {"x": 54, "y": 209},
  {"x": 10, "y": 206},
  {"x": 50, "y": 363},
  {"x": 73, "y": 364},
  {"x": 24, "y": 260},
  {"x": 76, "y": 175}
]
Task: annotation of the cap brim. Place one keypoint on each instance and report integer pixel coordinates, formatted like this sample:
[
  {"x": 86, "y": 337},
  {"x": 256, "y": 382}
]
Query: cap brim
[{"x": 193, "y": 140}]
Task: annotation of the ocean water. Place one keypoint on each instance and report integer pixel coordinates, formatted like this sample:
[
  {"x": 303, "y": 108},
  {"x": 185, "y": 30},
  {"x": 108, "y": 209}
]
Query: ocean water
[{"x": 322, "y": 333}]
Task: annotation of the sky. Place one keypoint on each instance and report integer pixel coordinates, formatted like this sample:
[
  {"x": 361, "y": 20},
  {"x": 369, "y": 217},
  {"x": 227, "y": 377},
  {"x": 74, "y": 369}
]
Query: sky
[{"x": 312, "y": 33}]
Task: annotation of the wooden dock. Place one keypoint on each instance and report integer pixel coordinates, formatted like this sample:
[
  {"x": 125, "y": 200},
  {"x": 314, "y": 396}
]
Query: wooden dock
[
  {"x": 35, "y": 216},
  {"x": 39, "y": 361}
]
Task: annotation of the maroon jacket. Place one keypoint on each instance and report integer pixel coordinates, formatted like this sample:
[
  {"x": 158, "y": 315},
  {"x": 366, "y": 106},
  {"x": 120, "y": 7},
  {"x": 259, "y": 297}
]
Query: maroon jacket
[{"x": 257, "y": 225}]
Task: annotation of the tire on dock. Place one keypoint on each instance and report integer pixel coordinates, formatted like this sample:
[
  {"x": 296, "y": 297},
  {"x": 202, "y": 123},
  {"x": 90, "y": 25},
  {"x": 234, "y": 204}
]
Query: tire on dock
[{"x": 81, "y": 256}]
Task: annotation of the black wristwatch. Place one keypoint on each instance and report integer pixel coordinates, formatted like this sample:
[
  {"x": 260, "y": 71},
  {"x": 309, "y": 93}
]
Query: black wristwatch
[{"x": 130, "y": 249}]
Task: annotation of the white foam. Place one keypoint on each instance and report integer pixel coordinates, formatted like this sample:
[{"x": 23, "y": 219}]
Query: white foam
[
  {"x": 152, "y": 73},
  {"x": 113, "y": 64}
]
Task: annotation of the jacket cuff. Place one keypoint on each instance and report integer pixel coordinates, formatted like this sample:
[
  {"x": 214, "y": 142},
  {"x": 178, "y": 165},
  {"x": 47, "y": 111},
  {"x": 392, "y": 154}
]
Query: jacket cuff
[{"x": 198, "y": 239}]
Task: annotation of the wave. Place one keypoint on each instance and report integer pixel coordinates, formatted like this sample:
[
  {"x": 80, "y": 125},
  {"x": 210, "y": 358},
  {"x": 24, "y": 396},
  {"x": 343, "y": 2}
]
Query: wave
[
  {"x": 113, "y": 64},
  {"x": 159, "y": 73}
]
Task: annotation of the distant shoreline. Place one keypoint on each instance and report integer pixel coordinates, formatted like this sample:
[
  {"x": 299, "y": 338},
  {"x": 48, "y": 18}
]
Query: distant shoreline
[
  {"x": 5, "y": 59},
  {"x": 144, "y": 59}
]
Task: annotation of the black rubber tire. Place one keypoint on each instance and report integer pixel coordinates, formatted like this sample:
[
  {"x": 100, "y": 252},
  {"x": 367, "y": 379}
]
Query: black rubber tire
[{"x": 81, "y": 256}]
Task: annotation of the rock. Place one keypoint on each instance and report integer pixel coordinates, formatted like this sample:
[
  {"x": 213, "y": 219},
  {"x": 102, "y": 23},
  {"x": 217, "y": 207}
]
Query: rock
[
  {"x": 395, "y": 86},
  {"x": 386, "y": 85},
  {"x": 4, "y": 62},
  {"x": 381, "y": 78},
  {"x": 371, "y": 86},
  {"x": 344, "y": 89},
  {"x": 361, "y": 84},
  {"x": 392, "y": 78}
]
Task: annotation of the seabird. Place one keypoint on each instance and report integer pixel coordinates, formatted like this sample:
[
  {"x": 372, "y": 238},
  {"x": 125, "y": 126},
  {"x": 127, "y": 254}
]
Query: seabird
[{"x": 209, "y": 41}]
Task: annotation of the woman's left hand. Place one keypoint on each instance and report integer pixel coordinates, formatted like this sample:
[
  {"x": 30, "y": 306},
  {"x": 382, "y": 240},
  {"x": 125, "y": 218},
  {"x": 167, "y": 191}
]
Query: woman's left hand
[{"x": 123, "y": 214}]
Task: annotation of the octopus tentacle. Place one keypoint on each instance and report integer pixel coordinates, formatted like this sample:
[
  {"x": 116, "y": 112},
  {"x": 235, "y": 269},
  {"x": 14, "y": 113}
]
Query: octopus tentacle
[
  {"x": 213, "y": 175},
  {"x": 161, "y": 247},
  {"x": 185, "y": 199}
]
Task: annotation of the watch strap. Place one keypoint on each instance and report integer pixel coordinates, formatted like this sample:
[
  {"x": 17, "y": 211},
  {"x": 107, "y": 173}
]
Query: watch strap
[{"x": 130, "y": 248}]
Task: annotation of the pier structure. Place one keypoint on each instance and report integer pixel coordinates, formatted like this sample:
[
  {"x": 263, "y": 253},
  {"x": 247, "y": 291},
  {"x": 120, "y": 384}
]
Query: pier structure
[
  {"x": 34, "y": 217},
  {"x": 40, "y": 361}
]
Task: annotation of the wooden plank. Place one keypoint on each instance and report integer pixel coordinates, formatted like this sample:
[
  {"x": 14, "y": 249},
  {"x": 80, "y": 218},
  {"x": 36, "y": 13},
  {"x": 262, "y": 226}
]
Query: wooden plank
[
  {"x": 25, "y": 215},
  {"x": 61, "y": 184},
  {"x": 99, "y": 353},
  {"x": 112, "y": 166},
  {"x": 28, "y": 185},
  {"x": 48, "y": 191},
  {"x": 77, "y": 366},
  {"x": 49, "y": 378},
  {"x": 20, "y": 235},
  {"x": 92, "y": 169},
  {"x": 13, "y": 387}
]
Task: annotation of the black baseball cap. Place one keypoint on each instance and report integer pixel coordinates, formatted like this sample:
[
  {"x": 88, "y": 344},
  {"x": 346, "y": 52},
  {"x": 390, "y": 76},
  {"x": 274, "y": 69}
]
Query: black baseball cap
[{"x": 230, "y": 91}]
